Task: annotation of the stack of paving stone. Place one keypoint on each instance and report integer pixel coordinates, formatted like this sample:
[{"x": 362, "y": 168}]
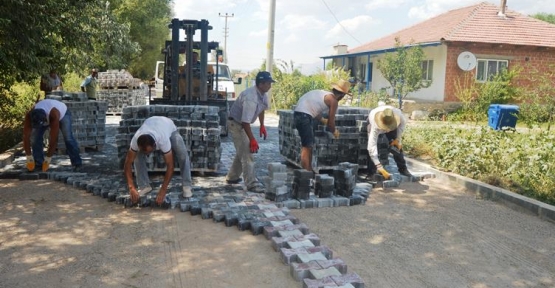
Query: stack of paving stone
[
  {"x": 198, "y": 125},
  {"x": 324, "y": 186},
  {"x": 301, "y": 184},
  {"x": 88, "y": 124},
  {"x": 119, "y": 89},
  {"x": 327, "y": 151},
  {"x": 275, "y": 183},
  {"x": 118, "y": 99},
  {"x": 117, "y": 78},
  {"x": 345, "y": 178}
]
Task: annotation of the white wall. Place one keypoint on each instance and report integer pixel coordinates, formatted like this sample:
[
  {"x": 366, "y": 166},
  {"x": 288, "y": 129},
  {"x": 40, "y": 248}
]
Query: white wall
[{"x": 434, "y": 92}]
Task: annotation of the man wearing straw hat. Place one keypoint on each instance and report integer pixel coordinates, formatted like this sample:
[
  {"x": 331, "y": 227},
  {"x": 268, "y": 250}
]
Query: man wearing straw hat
[
  {"x": 309, "y": 108},
  {"x": 390, "y": 121}
]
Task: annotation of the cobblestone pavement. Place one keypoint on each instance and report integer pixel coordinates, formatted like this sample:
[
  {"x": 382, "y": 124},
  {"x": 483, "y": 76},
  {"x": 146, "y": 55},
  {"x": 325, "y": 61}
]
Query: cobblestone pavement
[{"x": 422, "y": 234}]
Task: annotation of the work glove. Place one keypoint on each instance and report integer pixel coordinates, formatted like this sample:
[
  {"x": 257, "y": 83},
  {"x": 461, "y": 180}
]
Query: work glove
[
  {"x": 397, "y": 144},
  {"x": 324, "y": 121},
  {"x": 336, "y": 134},
  {"x": 263, "y": 131},
  {"x": 46, "y": 163},
  {"x": 384, "y": 173},
  {"x": 254, "y": 146},
  {"x": 30, "y": 163}
]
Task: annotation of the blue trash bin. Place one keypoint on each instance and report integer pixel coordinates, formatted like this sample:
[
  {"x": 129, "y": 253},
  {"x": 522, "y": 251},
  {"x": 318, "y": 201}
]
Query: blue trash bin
[{"x": 502, "y": 116}]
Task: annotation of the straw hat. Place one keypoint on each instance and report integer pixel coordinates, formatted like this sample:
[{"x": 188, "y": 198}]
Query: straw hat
[
  {"x": 387, "y": 120},
  {"x": 342, "y": 86}
]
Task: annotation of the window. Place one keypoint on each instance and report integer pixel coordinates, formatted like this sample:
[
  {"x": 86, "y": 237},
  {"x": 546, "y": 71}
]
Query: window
[
  {"x": 427, "y": 70},
  {"x": 362, "y": 72},
  {"x": 487, "y": 69}
]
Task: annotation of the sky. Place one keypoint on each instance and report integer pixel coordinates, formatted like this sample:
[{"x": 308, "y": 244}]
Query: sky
[{"x": 306, "y": 30}]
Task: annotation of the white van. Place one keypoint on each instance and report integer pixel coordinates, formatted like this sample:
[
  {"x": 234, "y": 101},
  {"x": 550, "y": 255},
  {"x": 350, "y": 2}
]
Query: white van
[{"x": 224, "y": 80}]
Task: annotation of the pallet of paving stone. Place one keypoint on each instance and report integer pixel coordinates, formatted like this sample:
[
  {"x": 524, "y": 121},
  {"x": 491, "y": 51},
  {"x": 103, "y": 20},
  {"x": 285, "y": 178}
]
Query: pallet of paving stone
[{"x": 197, "y": 124}]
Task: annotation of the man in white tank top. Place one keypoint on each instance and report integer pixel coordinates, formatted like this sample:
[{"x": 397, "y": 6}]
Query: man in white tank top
[
  {"x": 309, "y": 108},
  {"x": 53, "y": 114}
]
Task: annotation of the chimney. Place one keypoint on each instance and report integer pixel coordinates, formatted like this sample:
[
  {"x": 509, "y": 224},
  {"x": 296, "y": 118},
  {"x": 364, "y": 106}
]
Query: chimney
[
  {"x": 502, "y": 8},
  {"x": 340, "y": 49}
]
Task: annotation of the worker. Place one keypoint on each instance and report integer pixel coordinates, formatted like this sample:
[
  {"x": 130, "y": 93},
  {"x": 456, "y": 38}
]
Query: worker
[
  {"x": 390, "y": 121},
  {"x": 309, "y": 108},
  {"x": 89, "y": 84},
  {"x": 53, "y": 114},
  {"x": 250, "y": 104},
  {"x": 157, "y": 133},
  {"x": 50, "y": 82}
]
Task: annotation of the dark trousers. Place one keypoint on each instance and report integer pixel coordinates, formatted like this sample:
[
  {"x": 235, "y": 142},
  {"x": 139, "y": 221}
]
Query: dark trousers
[{"x": 398, "y": 157}]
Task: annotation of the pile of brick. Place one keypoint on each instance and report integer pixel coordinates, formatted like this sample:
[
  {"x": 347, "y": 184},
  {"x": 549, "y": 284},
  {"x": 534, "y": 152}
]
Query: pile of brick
[
  {"x": 328, "y": 152},
  {"x": 119, "y": 89},
  {"x": 118, "y": 99},
  {"x": 198, "y": 125},
  {"x": 88, "y": 124},
  {"x": 117, "y": 78}
]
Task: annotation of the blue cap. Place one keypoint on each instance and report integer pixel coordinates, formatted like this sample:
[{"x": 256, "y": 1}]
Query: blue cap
[
  {"x": 38, "y": 118},
  {"x": 264, "y": 76}
]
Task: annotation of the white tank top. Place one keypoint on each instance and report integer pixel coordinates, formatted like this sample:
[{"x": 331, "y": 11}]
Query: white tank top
[
  {"x": 48, "y": 104},
  {"x": 312, "y": 103}
]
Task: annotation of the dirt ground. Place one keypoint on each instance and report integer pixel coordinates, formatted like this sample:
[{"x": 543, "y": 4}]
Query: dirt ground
[{"x": 425, "y": 234}]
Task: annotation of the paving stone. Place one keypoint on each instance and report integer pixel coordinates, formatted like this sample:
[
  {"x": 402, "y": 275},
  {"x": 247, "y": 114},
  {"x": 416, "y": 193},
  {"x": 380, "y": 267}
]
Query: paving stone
[
  {"x": 338, "y": 263},
  {"x": 390, "y": 184},
  {"x": 340, "y": 201},
  {"x": 300, "y": 271},
  {"x": 319, "y": 283},
  {"x": 309, "y": 257},
  {"x": 298, "y": 244},
  {"x": 295, "y": 232},
  {"x": 28, "y": 176},
  {"x": 321, "y": 273},
  {"x": 292, "y": 204},
  {"x": 324, "y": 202},
  {"x": 349, "y": 278},
  {"x": 270, "y": 232}
]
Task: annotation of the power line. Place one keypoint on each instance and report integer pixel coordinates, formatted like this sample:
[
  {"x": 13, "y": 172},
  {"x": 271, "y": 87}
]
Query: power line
[{"x": 332, "y": 14}]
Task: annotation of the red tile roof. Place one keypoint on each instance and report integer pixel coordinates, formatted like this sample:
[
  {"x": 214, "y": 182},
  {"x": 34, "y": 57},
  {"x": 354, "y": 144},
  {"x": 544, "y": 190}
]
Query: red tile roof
[{"x": 477, "y": 23}]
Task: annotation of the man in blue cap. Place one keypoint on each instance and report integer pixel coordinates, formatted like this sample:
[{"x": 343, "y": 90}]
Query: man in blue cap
[
  {"x": 250, "y": 105},
  {"x": 53, "y": 114}
]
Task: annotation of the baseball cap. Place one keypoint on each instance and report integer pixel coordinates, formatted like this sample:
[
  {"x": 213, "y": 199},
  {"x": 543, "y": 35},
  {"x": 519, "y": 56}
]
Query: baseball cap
[
  {"x": 38, "y": 118},
  {"x": 264, "y": 76}
]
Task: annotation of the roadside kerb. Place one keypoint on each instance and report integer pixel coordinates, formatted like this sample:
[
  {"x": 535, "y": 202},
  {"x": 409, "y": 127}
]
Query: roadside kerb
[{"x": 490, "y": 192}]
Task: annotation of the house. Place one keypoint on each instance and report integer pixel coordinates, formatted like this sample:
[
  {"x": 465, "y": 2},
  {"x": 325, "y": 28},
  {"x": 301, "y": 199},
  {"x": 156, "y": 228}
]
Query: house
[{"x": 491, "y": 36}]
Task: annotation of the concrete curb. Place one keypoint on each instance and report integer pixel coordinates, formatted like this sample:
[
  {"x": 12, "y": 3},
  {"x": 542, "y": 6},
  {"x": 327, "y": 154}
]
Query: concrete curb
[
  {"x": 490, "y": 192},
  {"x": 7, "y": 157}
]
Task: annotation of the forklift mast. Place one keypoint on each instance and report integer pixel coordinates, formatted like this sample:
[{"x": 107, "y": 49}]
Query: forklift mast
[{"x": 177, "y": 47}]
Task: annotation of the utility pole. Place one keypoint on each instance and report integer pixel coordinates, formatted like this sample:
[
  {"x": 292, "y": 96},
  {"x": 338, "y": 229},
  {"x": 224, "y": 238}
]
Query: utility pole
[
  {"x": 270, "y": 44},
  {"x": 226, "y": 33}
]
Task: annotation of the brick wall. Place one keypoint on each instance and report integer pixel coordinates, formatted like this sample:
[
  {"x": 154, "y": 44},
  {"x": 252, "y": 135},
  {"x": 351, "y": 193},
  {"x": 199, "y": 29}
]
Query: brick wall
[{"x": 528, "y": 57}]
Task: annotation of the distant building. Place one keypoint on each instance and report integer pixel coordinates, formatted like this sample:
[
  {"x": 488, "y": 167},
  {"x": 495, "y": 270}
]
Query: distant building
[{"x": 497, "y": 38}]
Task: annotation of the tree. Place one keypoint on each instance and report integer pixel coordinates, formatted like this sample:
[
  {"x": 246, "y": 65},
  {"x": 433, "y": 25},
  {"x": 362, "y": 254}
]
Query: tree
[
  {"x": 403, "y": 70},
  {"x": 545, "y": 17},
  {"x": 148, "y": 26}
]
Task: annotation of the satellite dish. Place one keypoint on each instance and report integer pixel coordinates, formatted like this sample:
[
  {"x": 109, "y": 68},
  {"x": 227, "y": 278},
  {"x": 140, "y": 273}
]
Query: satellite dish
[{"x": 466, "y": 61}]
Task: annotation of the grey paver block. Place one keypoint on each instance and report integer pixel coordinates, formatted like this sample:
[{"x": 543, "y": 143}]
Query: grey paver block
[
  {"x": 298, "y": 244},
  {"x": 270, "y": 232},
  {"x": 321, "y": 273},
  {"x": 309, "y": 257},
  {"x": 338, "y": 263},
  {"x": 300, "y": 271}
]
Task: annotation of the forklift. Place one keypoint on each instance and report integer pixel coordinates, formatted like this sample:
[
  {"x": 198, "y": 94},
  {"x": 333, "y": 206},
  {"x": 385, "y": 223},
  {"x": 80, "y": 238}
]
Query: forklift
[{"x": 191, "y": 84}]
